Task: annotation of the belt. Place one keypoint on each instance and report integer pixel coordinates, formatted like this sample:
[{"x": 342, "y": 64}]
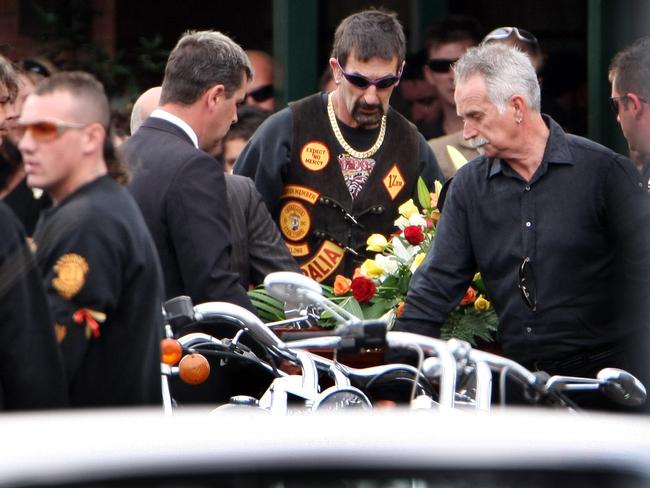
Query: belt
[{"x": 578, "y": 360}]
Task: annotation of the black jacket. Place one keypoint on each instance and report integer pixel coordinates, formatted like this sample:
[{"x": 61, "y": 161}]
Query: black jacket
[
  {"x": 31, "y": 371},
  {"x": 104, "y": 286},
  {"x": 182, "y": 194}
]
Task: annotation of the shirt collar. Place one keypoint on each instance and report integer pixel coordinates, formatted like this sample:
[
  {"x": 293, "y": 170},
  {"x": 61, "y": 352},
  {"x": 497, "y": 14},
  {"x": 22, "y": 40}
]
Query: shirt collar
[
  {"x": 177, "y": 121},
  {"x": 556, "y": 151}
]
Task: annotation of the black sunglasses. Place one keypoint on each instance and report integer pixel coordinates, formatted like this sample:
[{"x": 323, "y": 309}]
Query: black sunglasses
[
  {"x": 262, "y": 93},
  {"x": 615, "y": 102},
  {"x": 505, "y": 32},
  {"x": 440, "y": 65},
  {"x": 363, "y": 82},
  {"x": 526, "y": 284}
]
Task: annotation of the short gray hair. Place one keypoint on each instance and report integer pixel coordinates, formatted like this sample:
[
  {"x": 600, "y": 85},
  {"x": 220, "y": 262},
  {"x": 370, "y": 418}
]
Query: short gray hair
[
  {"x": 506, "y": 72},
  {"x": 200, "y": 60}
]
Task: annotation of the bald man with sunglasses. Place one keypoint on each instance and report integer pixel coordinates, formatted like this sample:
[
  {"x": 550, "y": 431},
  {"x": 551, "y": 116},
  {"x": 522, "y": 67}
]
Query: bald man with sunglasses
[{"x": 333, "y": 168}]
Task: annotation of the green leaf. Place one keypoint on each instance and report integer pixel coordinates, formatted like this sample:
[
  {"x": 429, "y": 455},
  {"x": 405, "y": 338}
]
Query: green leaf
[
  {"x": 376, "y": 309},
  {"x": 468, "y": 324},
  {"x": 351, "y": 305},
  {"x": 424, "y": 196},
  {"x": 262, "y": 296},
  {"x": 269, "y": 309}
]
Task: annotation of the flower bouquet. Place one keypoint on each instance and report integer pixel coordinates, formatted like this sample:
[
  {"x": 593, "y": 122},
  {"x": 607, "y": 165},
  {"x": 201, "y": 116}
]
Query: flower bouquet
[{"x": 379, "y": 286}]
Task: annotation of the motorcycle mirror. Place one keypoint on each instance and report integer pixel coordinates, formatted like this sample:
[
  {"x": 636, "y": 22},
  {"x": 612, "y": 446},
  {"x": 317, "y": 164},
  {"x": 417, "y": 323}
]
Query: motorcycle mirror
[
  {"x": 290, "y": 287},
  {"x": 622, "y": 387}
]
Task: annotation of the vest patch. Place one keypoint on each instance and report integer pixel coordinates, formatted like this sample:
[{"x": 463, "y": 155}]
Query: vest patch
[
  {"x": 394, "y": 182},
  {"x": 295, "y": 221},
  {"x": 300, "y": 192},
  {"x": 324, "y": 262},
  {"x": 70, "y": 277},
  {"x": 314, "y": 155},
  {"x": 297, "y": 250}
]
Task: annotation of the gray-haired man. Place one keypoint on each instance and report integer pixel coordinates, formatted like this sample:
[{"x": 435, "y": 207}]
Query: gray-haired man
[{"x": 556, "y": 224}]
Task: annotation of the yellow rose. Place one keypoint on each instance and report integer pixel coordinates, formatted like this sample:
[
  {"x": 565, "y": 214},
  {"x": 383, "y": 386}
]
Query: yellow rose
[
  {"x": 371, "y": 268},
  {"x": 417, "y": 261},
  {"x": 477, "y": 277},
  {"x": 376, "y": 243},
  {"x": 481, "y": 304},
  {"x": 408, "y": 209}
]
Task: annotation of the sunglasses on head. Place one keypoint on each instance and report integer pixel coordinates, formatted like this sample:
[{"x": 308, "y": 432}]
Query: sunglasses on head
[
  {"x": 46, "y": 130},
  {"x": 440, "y": 65},
  {"x": 505, "y": 32},
  {"x": 361, "y": 81},
  {"x": 262, "y": 93}
]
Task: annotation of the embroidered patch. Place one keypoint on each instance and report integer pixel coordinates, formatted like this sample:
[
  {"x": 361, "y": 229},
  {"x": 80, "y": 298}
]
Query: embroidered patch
[
  {"x": 314, "y": 156},
  {"x": 394, "y": 182},
  {"x": 301, "y": 193},
  {"x": 295, "y": 221},
  {"x": 297, "y": 250},
  {"x": 70, "y": 277},
  {"x": 324, "y": 262},
  {"x": 355, "y": 172}
]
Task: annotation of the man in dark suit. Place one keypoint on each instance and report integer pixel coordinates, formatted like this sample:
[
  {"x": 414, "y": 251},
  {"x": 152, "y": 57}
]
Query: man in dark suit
[
  {"x": 257, "y": 246},
  {"x": 178, "y": 186}
]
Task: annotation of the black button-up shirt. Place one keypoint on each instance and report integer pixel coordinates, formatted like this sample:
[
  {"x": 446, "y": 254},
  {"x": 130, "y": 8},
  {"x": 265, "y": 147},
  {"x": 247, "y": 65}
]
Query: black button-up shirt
[{"x": 582, "y": 220}]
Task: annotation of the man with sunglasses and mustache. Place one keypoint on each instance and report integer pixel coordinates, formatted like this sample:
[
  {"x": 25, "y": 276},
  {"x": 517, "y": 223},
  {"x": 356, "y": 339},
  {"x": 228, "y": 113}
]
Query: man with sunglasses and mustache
[
  {"x": 333, "y": 168},
  {"x": 557, "y": 225},
  {"x": 97, "y": 259},
  {"x": 629, "y": 74}
]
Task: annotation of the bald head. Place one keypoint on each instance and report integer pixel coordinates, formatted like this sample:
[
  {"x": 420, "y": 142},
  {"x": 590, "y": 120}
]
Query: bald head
[{"x": 143, "y": 106}]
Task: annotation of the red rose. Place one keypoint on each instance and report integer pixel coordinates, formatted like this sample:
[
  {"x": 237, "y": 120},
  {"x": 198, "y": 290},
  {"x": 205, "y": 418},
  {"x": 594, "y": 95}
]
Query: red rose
[
  {"x": 413, "y": 234},
  {"x": 363, "y": 289},
  {"x": 470, "y": 296}
]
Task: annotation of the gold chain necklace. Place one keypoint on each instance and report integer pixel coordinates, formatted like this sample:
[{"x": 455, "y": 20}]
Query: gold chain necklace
[{"x": 344, "y": 144}]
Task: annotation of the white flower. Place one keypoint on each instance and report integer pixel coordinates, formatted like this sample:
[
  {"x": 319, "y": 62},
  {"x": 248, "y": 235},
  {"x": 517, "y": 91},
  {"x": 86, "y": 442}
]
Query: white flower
[
  {"x": 403, "y": 254},
  {"x": 402, "y": 223},
  {"x": 388, "y": 263},
  {"x": 418, "y": 220}
]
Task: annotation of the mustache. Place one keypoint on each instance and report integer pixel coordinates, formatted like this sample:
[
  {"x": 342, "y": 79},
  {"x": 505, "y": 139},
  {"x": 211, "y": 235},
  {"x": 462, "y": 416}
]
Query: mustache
[
  {"x": 477, "y": 142},
  {"x": 367, "y": 106}
]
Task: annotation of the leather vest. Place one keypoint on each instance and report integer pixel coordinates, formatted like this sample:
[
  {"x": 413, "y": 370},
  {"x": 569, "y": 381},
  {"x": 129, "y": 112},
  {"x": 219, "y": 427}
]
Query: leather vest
[{"x": 324, "y": 227}]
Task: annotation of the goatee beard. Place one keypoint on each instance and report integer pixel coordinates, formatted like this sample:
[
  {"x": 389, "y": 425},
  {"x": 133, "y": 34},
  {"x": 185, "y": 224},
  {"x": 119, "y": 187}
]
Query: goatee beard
[{"x": 367, "y": 120}]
